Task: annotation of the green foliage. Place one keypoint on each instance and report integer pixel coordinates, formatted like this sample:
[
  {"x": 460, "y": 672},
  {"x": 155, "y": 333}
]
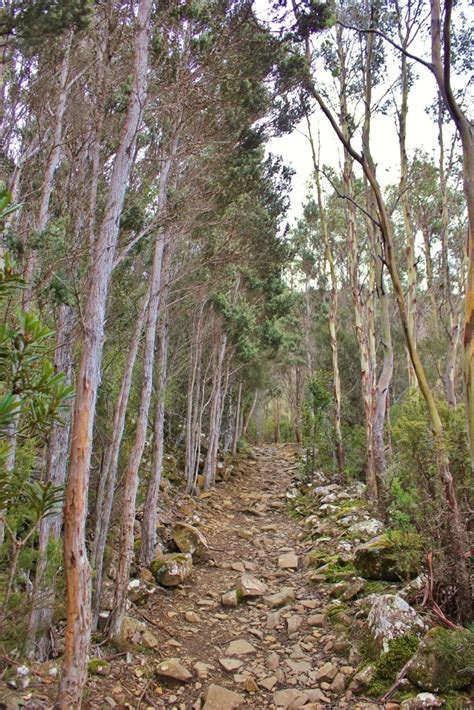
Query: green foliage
[{"x": 317, "y": 424}]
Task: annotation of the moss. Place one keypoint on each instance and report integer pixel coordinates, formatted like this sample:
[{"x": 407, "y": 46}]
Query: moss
[
  {"x": 97, "y": 665},
  {"x": 348, "y": 506},
  {"x": 316, "y": 558},
  {"x": 338, "y": 571},
  {"x": 377, "y": 587},
  {"x": 386, "y": 668},
  {"x": 445, "y": 660}
]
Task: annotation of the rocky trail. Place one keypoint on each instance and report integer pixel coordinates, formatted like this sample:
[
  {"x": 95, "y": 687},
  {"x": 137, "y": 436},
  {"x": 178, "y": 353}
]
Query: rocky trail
[
  {"x": 273, "y": 649},
  {"x": 268, "y": 614}
]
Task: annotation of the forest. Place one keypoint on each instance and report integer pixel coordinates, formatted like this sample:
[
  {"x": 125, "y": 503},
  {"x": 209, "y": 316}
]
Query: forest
[{"x": 203, "y": 381}]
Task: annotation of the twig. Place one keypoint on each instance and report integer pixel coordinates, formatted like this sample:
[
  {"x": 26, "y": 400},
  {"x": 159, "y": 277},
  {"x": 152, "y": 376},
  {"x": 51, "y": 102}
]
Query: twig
[
  {"x": 398, "y": 680},
  {"x": 158, "y": 624}
]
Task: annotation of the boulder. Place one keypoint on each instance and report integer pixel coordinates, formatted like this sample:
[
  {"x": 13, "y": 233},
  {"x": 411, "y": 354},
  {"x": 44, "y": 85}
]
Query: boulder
[
  {"x": 172, "y": 669},
  {"x": 218, "y": 698},
  {"x": 390, "y": 617},
  {"x": 189, "y": 539},
  {"x": 366, "y": 529},
  {"x": 171, "y": 570},
  {"x": 421, "y": 701},
  {"x": 389, "y": 557},
  {"x": 249, "y": 587},
  {"x": 444, "y": 660}
]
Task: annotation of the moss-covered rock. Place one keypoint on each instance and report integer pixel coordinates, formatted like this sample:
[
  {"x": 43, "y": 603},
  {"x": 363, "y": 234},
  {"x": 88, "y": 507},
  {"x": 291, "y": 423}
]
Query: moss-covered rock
[
  {"x": 98, "y": 666},
  {"x": 171, "y": 570},
  {"x": 392, "y": 556},
  {"x": 386, "y": 668},
  {"x": 189, "y": 539},
  {"x": 391, "y": 617},
  {"x": 444, "y": 660}
]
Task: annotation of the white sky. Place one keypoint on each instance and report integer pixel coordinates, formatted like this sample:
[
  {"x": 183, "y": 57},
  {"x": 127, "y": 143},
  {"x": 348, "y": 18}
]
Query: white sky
[{"x": 421, "y": 132}]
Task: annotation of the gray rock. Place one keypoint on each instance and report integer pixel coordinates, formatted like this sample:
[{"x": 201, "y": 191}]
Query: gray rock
[
  {"x": 189, "y": 539},
  {"x": 230, "y": 599},
  {"x": 390, "y": 617},
  {"x": 366, "y": 529},
  {"x": 421, "y": 701},
  {"x": 288, "y": 561},
  {"x": 441, "y": 662},
  {"x": 230, "y": 664}
]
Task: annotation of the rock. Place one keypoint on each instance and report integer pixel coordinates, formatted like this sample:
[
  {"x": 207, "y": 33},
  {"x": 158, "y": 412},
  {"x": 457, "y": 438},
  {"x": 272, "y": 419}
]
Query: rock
[
  {"x": 230, "y": 599},
  {"x": 289, "y": 698},
  {"x": 362, "y": 679},
  {"x": 390, "y": 617},
  {"x": 273, "y": 661},
  {"x": 250, "y": 587},
  {"x": 388, "y": 557},
  {"x": 422, "y": 700},
  {"x": 288, "y": 561},
  {"x": 230, "y": 664},
  {"x": 218, "y": 698},
  {"x": 187, "y": 538},
  {"x": 273, "y": 619},
  {"x": 269, "y": 682},
  {"x": 366, "y": 529},
  {"x": 441, "y": 662},
  {"x": 191, "y": 617},
  {"x": 353, "y": 590},
  {"x": 316, "y": 695},
  {"x": 327, "y": 672},
  {"x": 173, "y": 569},
  {"x": 250, "y": 685},
  {"x": 284, "y": 596},
  {"x": 138, "y": 591},
  {"x": 172, "y": 669},
  {"x": 318, "y": 620},
  {"x": 136, "y": 632},
  {"x": 293, "y": 623},
  {"x": 339, "y": 683},
  {"x": 240, "y": 647}
]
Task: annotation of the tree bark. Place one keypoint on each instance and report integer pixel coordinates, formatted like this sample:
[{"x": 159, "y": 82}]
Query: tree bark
[
  {"x": 150, "y": 511},
  {"x": 76, "y": 565},
  {"x": 215, "y": 416}
]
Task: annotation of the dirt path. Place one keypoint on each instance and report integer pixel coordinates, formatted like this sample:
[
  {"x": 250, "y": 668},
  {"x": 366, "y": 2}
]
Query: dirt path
[{"x": 286, "y": 655}]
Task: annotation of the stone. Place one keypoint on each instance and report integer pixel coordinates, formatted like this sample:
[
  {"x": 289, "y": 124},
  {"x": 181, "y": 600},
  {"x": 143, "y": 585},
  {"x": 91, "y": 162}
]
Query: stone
[
  {"x": 218, "y": 698},
  {"x": 289, "y": 698},
  {"x": 353, "y": 590},
  {"x": 172, "y": 569},
  {"x": 269, "y": 682},
  {"x": 422, "y": 700},
  {"x": 250, "y": 685},
  {"x": 138, "y": 591},
  {"x": 230, "y": 664},
  {"x": 230, "y": 599},
  {"x": 249, "y": 587},
  {"x": 293, "y": 623},
  {"x": 189, "y": 539},
  {"x": 327, "y": 672},
  {"x": 191, "y": 617},
  {"x": 284, "y": 596},
  {"x": 389, "y": 558},
  {"x": 299, "y": 666},
  {"x": 136, "y": 632},
  {"x": 362, "y": 679},
  {"x": 172, "y": 669},
  {"x": 317, "y": 620},
  {"x": 288, "y": 561},
  {"x": 273, "y": 661},
  {"x": 389, "y": 617},
  {"x": 240, "y": 647},
  {"x": 273, "y": 619},
  {"x": 316, "y": 695},
  {"x": 339, "y": 683},
  {"x": 441, "y": 662},
  {"x": 366, "y": 529},
  {"x": 202, "y": 669}
]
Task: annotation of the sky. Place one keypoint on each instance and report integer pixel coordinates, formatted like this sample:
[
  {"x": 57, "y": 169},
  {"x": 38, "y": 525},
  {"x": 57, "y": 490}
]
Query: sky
[{"x": 421, "y": 132}]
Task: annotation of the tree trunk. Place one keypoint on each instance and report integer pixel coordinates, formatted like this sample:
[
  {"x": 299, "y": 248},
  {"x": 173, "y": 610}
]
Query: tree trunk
[
  {"x": 44, "y": 592},
  {"x": 236, "y": 434},
  {"x": 150, "y": 511},
  {"x": 105, "y": 493},
  {"x": 76, "y": 566},
  {"x": 133, "y": 465},
  {"x": 215, "y": 417}
]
